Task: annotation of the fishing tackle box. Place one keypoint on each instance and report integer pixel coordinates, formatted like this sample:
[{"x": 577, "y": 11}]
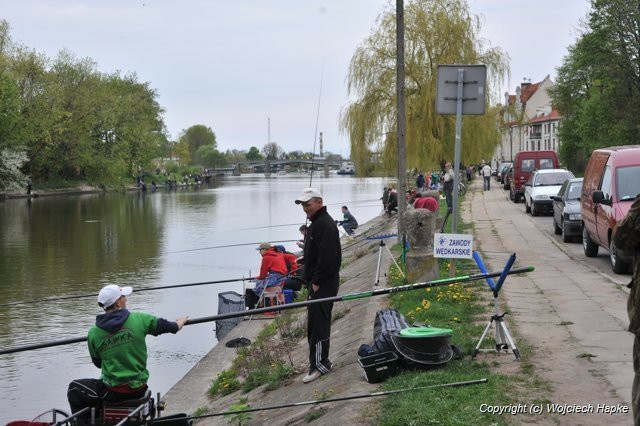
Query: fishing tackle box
[{"x": 379, "y": 367}]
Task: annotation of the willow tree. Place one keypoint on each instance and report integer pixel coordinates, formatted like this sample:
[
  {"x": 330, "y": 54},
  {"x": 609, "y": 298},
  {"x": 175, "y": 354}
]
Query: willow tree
[{"x": 436, "y": 32}]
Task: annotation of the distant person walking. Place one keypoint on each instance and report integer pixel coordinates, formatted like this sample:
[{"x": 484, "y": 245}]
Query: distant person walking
[
  {"x": 447, "y": 186},
  {"x": 322, "y": 259},
  {"x": 626, "y": 236},
  {"x": 486, "y": 175}
]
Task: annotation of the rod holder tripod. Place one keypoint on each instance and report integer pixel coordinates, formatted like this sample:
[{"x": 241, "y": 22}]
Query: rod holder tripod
[
  {"x": 382, "y": 246},
  {"x": 503, "y": 340}
]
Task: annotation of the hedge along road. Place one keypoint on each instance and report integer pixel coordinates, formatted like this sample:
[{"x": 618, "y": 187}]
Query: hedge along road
[{"x": 571, "y": 310}]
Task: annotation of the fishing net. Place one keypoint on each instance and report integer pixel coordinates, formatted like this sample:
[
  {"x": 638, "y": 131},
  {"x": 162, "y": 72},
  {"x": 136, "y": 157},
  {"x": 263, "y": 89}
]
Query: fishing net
[{"x": 228, "y": 301}]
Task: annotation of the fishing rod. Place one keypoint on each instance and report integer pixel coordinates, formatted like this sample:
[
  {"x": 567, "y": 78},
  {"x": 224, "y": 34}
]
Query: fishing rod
[
  {"x": 295, "y": 305},
  {"x": 315, "y": 135},
  {"x": 138, "y": 290},
  {"x": 264, "y": 227},
  {"x": 337, "y": 399},
  {"x": 230, "y": 245},
  {"x": 361, "y": 203}
]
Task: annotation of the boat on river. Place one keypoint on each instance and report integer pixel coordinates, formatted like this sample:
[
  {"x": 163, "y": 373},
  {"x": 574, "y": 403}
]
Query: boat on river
[{"x": 347, "y": 168}]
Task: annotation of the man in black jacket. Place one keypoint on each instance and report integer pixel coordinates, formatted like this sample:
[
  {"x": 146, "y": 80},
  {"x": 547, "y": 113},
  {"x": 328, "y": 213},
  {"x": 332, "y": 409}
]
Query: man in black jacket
[{"x": 322, "y": 259}]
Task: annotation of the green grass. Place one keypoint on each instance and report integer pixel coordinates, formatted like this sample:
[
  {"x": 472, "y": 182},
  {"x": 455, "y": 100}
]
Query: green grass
[
  {"x": 465, "y": 309},
  {"x": 262, "y": 363}
]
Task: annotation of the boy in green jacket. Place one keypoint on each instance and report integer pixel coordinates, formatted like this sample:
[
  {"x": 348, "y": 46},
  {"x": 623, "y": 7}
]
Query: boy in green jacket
[{"x": 117, "y": 346}]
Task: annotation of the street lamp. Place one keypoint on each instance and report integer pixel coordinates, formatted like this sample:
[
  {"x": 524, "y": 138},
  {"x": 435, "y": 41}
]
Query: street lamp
[{"x": 511, "y": 142}]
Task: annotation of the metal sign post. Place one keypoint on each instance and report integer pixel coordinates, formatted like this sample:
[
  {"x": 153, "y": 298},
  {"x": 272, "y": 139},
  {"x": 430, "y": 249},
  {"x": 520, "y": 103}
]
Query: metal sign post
[{"x": 460, "y": 90}]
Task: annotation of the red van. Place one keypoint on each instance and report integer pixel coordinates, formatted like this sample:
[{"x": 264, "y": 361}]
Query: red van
[
  {"x": 611, "y": 183},
  {"x": 524, "y": 164}
]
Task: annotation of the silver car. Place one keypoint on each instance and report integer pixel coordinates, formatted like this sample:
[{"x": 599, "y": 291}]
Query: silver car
[
  {"x": 567, "y": 219},
  {"x": 541, "y": 187}
]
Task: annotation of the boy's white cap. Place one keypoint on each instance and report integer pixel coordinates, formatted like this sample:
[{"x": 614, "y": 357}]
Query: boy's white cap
[{"x": 111, "y": 293}]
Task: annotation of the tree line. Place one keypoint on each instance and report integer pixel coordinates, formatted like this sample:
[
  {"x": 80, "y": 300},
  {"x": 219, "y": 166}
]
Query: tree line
[
  {"x": 63, "y": 121},
  {"x": 598, "y": 84}
]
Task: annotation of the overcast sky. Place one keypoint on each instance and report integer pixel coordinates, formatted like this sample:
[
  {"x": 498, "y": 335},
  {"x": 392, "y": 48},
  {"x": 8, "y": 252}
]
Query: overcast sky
[{"x": 232, "y": 65}]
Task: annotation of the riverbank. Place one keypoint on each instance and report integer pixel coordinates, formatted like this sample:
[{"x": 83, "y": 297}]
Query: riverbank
[
  {"x": 353, "y": 325},
  {"x": 76, "y": 190}
]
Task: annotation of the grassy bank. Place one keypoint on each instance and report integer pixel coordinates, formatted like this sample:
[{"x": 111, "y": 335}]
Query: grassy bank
[{"x": 465, "y": 309}]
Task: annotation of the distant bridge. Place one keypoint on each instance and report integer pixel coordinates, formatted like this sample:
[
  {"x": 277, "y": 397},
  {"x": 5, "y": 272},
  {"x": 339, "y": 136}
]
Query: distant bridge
[{"x": 261, "y": 166}]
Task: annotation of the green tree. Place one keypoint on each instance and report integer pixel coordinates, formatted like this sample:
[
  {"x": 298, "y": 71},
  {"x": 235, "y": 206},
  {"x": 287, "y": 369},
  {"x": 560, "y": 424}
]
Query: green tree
[
  {"x": 436, "y": 32},
  {"x": 197, "y": 136},
  {"x": 181, "y": 150},
  {"x": 597, "y": 89},
  {"x": 211, "y": 157},
  {"x": 254, "y": 154},
  {"x": 73, "y": 121}
]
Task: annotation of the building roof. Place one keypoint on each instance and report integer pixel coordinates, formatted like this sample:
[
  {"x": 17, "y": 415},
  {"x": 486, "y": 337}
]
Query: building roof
[
  {"x": 527, "y": 90},
  {"x": 553, "y": 115}
]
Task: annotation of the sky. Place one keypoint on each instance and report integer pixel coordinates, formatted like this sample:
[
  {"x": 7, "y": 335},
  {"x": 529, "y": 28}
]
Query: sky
[{"x": 256, "y": 71}]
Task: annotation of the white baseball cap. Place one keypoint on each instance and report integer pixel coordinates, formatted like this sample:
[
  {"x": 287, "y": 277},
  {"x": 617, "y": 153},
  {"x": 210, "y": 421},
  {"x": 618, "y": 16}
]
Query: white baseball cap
[
  {"x": 111, "y": 293},
  {"x": 308, "y": 194}
]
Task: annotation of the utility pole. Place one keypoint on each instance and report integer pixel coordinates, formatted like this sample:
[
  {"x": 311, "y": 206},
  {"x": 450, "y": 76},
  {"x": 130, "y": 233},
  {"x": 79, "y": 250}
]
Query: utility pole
[{"x": 402, "y": 153}]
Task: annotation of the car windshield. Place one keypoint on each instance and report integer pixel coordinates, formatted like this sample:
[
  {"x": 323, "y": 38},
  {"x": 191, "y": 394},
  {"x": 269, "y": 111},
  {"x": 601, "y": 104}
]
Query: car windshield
[
  {"x": 574, "y": 190},
  {"x": 628, "y": 180},
  {"x": 549, "y": 179}
]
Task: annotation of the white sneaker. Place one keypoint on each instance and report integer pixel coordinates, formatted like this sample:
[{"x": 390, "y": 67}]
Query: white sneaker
[{"x": 311, "y": 376}]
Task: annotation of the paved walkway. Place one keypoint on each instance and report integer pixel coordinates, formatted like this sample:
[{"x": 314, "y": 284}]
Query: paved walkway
[{"x": 571, "y": 314}]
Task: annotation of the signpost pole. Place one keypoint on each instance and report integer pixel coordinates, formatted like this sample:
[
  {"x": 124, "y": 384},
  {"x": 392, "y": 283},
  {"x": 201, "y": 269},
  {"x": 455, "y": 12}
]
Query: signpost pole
[
  {"x": 469, "y": 97},
  {"x": 456, "y": 164}
]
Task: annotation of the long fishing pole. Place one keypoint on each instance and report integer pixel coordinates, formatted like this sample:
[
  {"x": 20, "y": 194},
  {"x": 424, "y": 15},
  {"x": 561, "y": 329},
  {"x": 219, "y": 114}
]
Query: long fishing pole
[
  {"x": 315, "y": 136},
  {"x": 343, "y": 298},
  {"x": 229, "y": 245},
  {"x": 337, "y": 399},
  {"x": 138, "y": 290}
]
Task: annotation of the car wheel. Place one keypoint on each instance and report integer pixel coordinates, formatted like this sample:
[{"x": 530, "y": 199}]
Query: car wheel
[
  {"x": 527, "y": 209},
  {"x": 556, "y": 229},
  {"x": 590, "y": 248},
  {"x": 618, "y": 266},
  {"x": 534, "y": 210},
  {"x": 565, "y": 238}
]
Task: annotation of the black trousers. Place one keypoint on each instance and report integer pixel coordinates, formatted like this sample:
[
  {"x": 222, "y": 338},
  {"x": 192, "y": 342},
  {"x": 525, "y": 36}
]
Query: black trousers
[
  {"x": 91, "y": 392},
  {"x": 318, "y": 333}
]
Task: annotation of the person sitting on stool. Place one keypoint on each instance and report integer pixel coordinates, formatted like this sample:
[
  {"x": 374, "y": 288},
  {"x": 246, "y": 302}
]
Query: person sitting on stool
[{"x": 117, "y": 346}]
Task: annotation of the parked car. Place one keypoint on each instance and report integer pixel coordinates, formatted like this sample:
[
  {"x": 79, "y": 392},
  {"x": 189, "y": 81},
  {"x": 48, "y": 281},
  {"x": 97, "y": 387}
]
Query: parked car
[
  {"x": 507, "y": 178},
  {"x": 566, "y": 210},
  {"x": 541, "y": 187},
  {"x": 611, "y": 183},
  {"x": 504, "y": 169},
  {"x": 524, "y": 163}
]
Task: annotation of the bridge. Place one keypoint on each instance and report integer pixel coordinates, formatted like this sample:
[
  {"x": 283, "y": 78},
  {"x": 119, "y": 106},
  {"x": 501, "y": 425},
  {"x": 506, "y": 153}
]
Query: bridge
[{"x": 274, "y": 166}]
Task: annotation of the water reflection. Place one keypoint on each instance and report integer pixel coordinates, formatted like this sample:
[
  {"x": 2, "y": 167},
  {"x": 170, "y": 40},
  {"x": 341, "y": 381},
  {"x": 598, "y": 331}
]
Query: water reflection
[{"x": 60, "y": 246}]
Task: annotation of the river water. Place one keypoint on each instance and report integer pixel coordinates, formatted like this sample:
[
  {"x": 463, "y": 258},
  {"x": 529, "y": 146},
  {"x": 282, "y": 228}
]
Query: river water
[{"x": 54, "y": 247}]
